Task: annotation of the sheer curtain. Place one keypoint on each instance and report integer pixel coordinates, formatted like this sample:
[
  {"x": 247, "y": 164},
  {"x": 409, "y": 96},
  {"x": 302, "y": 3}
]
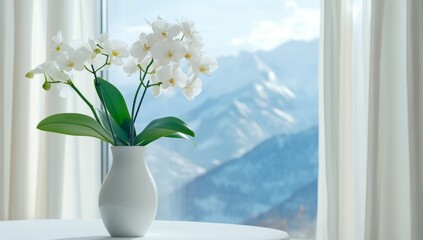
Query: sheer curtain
[
  {"x": 371, "y": 120},
  {"x": 43, "y": 175}
]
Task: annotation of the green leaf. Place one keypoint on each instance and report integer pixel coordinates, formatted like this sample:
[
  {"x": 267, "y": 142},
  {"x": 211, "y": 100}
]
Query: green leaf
[
  {"x": 119, "y": 132},
  {"x": 181, "y": 135},
  {"x": 115, "y": 104},
  {"x": 74, "y": 124},
  {"x": 171, "y": 123},
  {"x": 178, "y": 135},
  {"x": 163, "y": 127}
]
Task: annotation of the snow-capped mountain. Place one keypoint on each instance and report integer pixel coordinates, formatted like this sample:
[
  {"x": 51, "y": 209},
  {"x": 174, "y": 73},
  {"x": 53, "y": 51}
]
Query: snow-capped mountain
[
  {"x": 253, "y": 184},
  {"x": 262, "y": 95},
  {"x": 232, "y": 124}
]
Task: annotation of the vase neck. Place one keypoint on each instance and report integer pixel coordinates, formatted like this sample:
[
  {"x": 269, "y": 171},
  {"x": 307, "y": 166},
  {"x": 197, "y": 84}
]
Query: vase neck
[{"x": 128, "y": 154}]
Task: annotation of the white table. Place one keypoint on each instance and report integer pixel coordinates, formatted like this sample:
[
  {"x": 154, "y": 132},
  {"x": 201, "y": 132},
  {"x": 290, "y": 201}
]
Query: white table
[{"x": 160, "y": 230}]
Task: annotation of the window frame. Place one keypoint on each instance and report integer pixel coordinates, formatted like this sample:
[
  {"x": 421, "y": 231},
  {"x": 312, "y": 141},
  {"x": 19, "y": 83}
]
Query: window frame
[{"x": 105, "y": 162}]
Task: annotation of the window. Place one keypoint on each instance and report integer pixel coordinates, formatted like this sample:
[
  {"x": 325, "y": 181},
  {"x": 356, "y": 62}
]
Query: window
[{"x": 255, "y": 159}]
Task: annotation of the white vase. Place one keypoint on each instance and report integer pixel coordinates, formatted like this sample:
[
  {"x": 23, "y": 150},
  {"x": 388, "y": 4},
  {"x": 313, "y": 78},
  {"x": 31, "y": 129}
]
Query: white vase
[{"x": 128, "y": 195}]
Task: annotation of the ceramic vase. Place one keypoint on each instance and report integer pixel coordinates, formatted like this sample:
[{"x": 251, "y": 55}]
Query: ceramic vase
[{"x": 128, "y": 195}]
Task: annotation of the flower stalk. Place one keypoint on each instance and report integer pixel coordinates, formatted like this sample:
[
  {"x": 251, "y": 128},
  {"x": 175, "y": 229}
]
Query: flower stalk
[
  {"x": 134, "y": 118},
  {"x": 70, "y": 83}
]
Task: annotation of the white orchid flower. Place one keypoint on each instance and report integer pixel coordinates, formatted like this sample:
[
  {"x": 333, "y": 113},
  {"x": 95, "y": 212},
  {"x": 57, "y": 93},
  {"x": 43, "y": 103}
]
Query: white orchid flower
[
  {"x": 59, "y": 46},
  {"x": 197, "y": 39},
  {"x": 57, "y": 75},
  {"x": 58, "y": 38},
  {"x": 206, "y": 66},
  {"x": 142, "y": 47},
  {"x": 172, "y": 76},
  {"x": 130, "y": 66},
  {"x": 93, "y": 46},
  {"x": 187, "y": 28},
  {"x": 191, "y": 35},
  {"x": 193, "y": 88},
  {"x": 102, "y": 39},
  {"x": 165, "y": 30},
  {"x": 193, "y": 53},
  {"x": 44, "y": 67},
  {"x": 116, "y": 50},
  {"x": 167, "y": 51},
  {"x": 97, "y": 45},
  {"x": 40, "y": 69},
  {"x": 133, "y": 65},
  {"x": 73, "y": 59},
  {"x": 49, "y": 68},
  {"x": 97, "y": 58},
  {"x": 146, "y": 61}
]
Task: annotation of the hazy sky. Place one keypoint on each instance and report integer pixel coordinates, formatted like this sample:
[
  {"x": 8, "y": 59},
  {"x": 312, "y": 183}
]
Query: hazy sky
[{"x": 228, "y": 26}]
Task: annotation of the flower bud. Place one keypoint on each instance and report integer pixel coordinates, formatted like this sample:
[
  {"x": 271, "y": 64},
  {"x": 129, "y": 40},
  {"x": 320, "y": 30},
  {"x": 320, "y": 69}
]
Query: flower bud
[
  {"x": 30, "y": 74},
  {"x": 46, "y": 85}
]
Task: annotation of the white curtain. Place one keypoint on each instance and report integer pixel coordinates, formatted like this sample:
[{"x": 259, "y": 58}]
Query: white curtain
[
  {"x": 43, "y": 175},
  {"x": 371, "y": 120}
]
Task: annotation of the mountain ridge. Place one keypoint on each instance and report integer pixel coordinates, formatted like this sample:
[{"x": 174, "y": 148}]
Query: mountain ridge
[{"x": 245, "y": 187}]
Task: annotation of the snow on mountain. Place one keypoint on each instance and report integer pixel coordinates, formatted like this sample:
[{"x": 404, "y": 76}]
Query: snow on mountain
[
  {"x": 229, "y": 126},
  {"x": 297, "y": 67},
  {"x": 253, "y": 184},
  {"x": 253, "y": 97}
]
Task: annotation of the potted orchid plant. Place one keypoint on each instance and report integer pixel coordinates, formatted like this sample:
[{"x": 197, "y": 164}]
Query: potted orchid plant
[
  {"x": 170, "y": 57},
  {"x": 156, "y": 57}
]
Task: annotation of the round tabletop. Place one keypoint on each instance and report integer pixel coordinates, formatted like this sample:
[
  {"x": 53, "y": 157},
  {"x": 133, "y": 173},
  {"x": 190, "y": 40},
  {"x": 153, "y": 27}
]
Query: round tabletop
[{"x": 160, "y": 230}]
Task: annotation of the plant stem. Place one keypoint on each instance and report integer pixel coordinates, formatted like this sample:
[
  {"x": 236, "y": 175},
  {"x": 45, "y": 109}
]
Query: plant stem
[
  {"x": 88, "y": 69},
  {"x": 142, "y": 98},
  {"x": 139, "y": 86},
  {"x": 135, "y": 100},
  {"x": 155, "y": 84},
  {"x": 70, "y": 83},
  {"x": 106, "y": 63},
  {"x": 132, "y": 128},
  {"x": 100, "y": 93}
]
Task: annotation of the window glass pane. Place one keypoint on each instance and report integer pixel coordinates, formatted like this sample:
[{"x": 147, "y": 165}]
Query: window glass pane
[{"x": 255, "y": 157}]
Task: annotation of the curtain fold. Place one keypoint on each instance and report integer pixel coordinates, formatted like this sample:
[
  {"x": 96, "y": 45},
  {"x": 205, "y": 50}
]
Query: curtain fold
[
  {"x": 6, "y": 72},
  {"x": 44, "y": 175},
  {"x": 371, "y": 120},
  {"x": 414, "y": 33}
]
